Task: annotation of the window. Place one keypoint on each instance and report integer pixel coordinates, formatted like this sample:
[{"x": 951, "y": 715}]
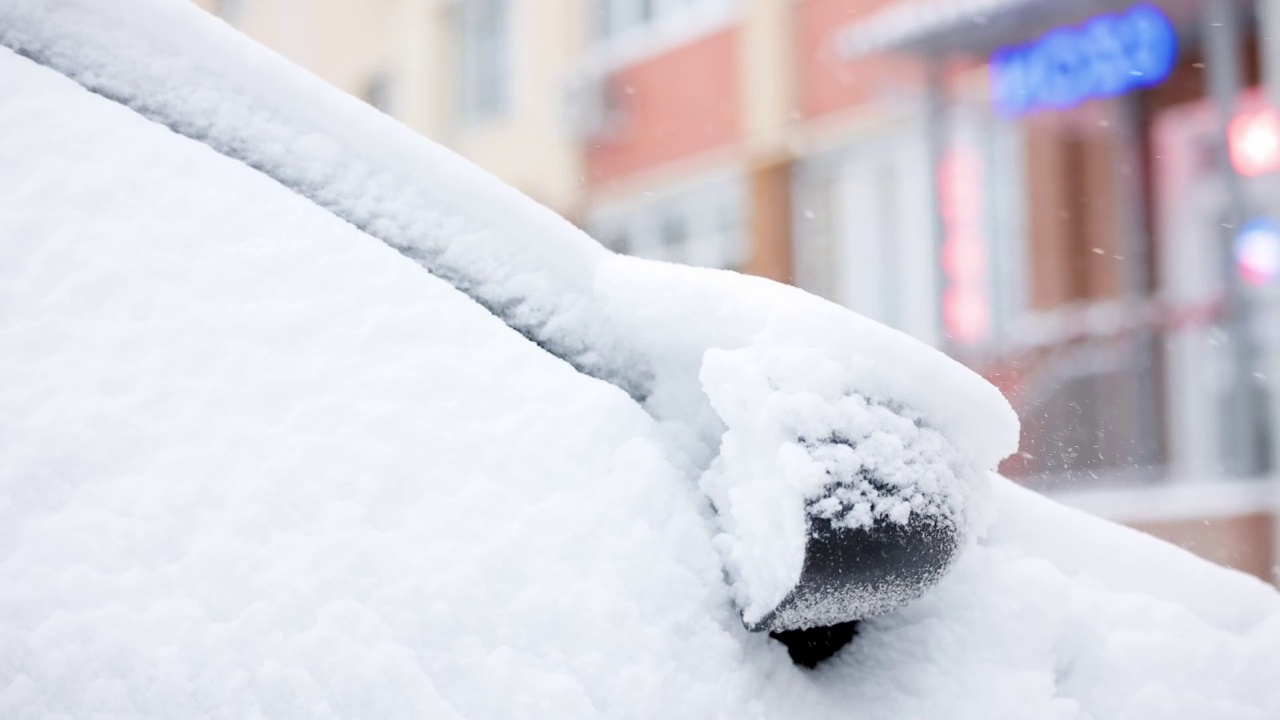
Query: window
[
  {"x": 623, "y": 23},
  {"x": 229, "y": 10},
  {"x": 675, "y": 238},
  {"x": 614, "y": 17},
  {"x": 616, "y": 239},
  {"x": 860, "y": 237},
  {"x": 484, "y": 76},
  {"x": 379, "y": 91},
  {"x": 701, "y": 224}
]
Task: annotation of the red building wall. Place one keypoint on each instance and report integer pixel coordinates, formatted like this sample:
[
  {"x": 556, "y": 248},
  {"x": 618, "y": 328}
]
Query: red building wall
[
  {"x": 675, "y": 105},
  {"x": 828, "y": 82}
]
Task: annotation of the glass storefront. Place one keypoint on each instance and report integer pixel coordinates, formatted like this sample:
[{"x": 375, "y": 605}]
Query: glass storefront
[{"x": 1069, "y": 164}]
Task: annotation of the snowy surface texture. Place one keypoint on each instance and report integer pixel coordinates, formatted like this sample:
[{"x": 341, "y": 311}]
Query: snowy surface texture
[
  {"x": 256, "y": 464},
  {"x": 175, "y": 64},
  {"x": 801, "y": 441},
  {"x": 782, "y": 372},
  {"x": 644, "y": 327}
]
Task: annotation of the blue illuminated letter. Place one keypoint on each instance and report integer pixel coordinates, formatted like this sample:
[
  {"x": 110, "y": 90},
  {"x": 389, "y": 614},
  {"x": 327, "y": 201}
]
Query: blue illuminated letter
[{"x": 1107, "y": 56}]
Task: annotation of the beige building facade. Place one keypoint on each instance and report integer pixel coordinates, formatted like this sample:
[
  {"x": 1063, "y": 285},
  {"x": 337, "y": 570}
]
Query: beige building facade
[{"x": 410, "y": 59}]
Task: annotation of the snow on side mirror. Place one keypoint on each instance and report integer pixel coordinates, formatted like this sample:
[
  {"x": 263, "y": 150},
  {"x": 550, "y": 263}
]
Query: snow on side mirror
[
  {"x": 847, "y": 456},
  {"x": 834, "y": 506},
  {"x": 846, "y": 461}
]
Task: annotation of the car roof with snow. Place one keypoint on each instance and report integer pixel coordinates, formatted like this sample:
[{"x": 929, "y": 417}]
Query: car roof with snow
[{"x": 303, "y": 416}]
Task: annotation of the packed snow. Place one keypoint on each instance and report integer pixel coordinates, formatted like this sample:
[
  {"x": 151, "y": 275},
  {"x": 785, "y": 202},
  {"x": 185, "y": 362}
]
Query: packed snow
[
  {"x": 800, "y": 440},
  {"x": 631, "y": 323},
  {"x": 256, "y": 463},
  {"x": 539, "y": 273}
]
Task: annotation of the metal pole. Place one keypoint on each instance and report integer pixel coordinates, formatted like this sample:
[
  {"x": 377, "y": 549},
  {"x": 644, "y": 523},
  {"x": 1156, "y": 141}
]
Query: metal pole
[
  {"x": 1135, "y": 238},
  {"x": 937, "y": 141},
  {"x": 1269, "y": 39},
  {"x": 1268, "y": 12},
  {"x": 1221, "y": 28}
]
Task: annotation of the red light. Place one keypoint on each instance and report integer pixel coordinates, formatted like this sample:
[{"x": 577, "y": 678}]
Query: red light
[
  {"x": 1257, "y": 250},
  {"x": 966, "y": 313},
  {"x": 1254, "y": 141},
  {"x": 964, "y": 259}
]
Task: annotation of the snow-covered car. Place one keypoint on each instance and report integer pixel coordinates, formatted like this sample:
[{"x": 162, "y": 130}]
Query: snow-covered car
[{"x": 304, "y": 416}]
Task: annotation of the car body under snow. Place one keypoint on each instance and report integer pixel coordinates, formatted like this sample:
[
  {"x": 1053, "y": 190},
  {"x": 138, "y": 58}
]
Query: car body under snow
[{"x": 304, "y": 416}]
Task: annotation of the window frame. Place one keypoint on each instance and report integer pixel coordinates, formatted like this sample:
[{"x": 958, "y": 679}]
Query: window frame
[
  {"x": 710, "y": 212},
  {"x": 484, "y": 60},
  {"x": 670, "y": 23}
]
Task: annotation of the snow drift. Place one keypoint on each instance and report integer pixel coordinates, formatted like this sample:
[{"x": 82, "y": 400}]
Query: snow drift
[
  {"x": 256, "y": 463},
  {"x": 644, "y": 327}
]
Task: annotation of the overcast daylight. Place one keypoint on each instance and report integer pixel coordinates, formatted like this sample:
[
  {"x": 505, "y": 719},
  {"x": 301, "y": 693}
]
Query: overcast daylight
[{"x": 486, "y": 359}]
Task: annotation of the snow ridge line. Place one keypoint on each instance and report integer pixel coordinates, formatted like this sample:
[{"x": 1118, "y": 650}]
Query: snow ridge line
[
  {"x": 647, "y": 328},
  {"x": 176, "y": 65},
  {"x": 330, "y": 170}
]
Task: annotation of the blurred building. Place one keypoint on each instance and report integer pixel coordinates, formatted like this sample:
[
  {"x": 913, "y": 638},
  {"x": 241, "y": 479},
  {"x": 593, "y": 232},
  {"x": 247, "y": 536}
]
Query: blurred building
[
  {"x": 1079, "y": 199},
  {"x": 482, "y": 76}
]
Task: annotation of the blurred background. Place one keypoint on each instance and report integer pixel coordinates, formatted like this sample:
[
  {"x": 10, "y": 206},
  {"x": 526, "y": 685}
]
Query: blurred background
[{"x": 1079, "y": 199}]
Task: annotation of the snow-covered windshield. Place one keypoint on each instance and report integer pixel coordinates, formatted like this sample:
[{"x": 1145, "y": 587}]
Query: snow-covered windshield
[{"x": 304, "y": 415}]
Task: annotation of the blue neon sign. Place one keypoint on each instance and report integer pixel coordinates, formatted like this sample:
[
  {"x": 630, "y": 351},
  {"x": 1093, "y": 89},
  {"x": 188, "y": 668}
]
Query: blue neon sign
[{"x": 1108, "y": 55}]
